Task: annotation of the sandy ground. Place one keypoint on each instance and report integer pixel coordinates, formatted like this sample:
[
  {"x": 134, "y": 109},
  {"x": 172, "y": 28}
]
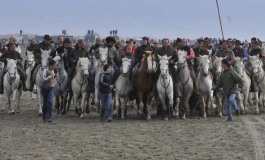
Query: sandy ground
[{"x": 25, "y": 136}]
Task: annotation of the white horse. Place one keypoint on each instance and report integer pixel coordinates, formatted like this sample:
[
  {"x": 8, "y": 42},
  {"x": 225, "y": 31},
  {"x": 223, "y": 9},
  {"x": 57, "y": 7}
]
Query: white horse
[
  {"x": 122, "y": 86},
  {"x": 61, "y": 85},
  {"x": 30, "y": 64},
  {"x": 39, "y": 77},
  {"x": 11, "y": 86},
  {"x": 259, "y": 79},
  {"x": 165, "y": 86},
  {"x": 205, "y": 83},
  {"x": 80, "y": 84},
  {"x": 219, "y": 95},
  {"x": 183, "y": 84},
  {"x": 103, "y": 55},
  {"x": 239, "y": 67}
]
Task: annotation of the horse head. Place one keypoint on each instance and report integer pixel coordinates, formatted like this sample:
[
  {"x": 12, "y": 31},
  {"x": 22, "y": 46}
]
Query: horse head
[
  {"x": 255, "y": 63},
  {"x": 163, "y": 65},
  {"x": 59, "y": 61},
  {"x": 12, "y": 68},
  {"x": 182, "y": 56},
  {"x": 150, "y": 60},
  {"x": 103, "y": 55},
  {"x": 204, "y": 64},
  {"x": 45, "y": 58},
  {"x": 126, "y": 66},
  {"x": 30, "y": 59},
  {"x": 217, "y": 64},
  {"x": 239, "y": 66},
  {"x": 84, "y": 64}
]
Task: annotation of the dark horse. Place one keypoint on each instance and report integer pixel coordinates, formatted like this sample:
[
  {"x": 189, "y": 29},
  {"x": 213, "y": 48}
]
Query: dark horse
[{"x": 144, "y": 84}]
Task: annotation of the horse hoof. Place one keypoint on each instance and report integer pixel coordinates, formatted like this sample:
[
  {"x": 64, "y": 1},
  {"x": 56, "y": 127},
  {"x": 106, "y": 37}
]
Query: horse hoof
[
  {"x": 148, "y": 118},
  {"x": 40, "y": 114},
  {"x": 92, "y": 103},
  {"x": 165, "y": 119},
  {"x": 87, "y": 111},
  {"x": 82, "y": 116},
  {"x": 18, "y": 111}
]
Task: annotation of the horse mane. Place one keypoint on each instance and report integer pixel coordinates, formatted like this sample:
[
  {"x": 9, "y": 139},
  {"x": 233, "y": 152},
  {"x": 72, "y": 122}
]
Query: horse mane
[{"x": 78, "y": 65}]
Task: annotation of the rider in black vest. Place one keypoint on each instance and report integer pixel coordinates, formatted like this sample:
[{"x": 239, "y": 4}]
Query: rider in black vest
[{"x": 13, "y": 54}]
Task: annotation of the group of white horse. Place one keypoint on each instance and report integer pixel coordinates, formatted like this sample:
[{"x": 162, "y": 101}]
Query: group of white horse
[{"x": 166, "y": 85}]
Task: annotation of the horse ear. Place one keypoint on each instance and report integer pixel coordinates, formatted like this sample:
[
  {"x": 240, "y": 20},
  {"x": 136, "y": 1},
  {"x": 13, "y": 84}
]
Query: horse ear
[
  {"x": 56, "y": 53},
  {"x": 159, "y": 57},
  {"x": 41, "y": 50},
  {"x": 168, "y": 58}
]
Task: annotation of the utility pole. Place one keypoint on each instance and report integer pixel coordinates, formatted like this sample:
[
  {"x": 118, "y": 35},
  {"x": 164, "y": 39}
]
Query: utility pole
[{"x": 220, "y": 19}]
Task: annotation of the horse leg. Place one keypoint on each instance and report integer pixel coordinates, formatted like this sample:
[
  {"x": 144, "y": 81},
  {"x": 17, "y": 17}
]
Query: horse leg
[
  {"x": 164, "y": 107},
  {"x": 240, "y": 99},
  {"x": 83, "y": 101},
  {"x": 147, "y": 102},
  {"x": 69, "y": 100},
  {"x": 57, "y": 103},
  {"x": 19, "y": 93},
  {"x": 257, "y": 102},
  {"x": 245, "y": 101},
  {"x": 117, "y": 105},
  {"x": 122, "y": 106},
  {"x": 177, "y": 101},
  {"x": 8, "y": 97},
  {"x": 13, "y": 101},
  {"x": 40, "y": 101},
  {"x": 92, "y": 98},
  {"x": 141, "y": 104},
  {"x": 87, "y": 104}
]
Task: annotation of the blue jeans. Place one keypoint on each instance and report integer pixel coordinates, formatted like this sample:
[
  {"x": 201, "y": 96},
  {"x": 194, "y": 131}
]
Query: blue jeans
[
  {"x": 106, "y": 103},
  {"x": 230, "y": 100},
  {"x": 47, "y": 94}
]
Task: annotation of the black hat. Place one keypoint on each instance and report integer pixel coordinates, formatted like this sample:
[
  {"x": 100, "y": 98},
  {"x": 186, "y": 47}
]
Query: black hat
[
  {"x": 178, "y": 40},
  {"x": 238, "y": 42},
  {"x": 110, "y": 40},
  {"x": 145, "y": 38},
  {"x": 47, "y": 37},
  {"x": 131, "y": 40},
  {"x": 66, "y": 40},
  {"x": 199, "y": 40}
]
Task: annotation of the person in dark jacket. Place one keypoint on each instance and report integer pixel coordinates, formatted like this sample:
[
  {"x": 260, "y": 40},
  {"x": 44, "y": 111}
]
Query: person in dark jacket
[
  {"x": 238, "y": 50},
  {"x": 199, "y": 51},
  {"x": 106, "y": 85},
  {"x": 2, "y": 48},
  {"x": 59, "y": 43},
  {"x": 78, "y": 52},
  {"x": 229, "y": 80},
  {"x": 13, "y": 54}
]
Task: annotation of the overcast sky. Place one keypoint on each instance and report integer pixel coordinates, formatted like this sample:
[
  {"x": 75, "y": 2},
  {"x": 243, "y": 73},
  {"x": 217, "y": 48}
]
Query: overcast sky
[{"x": 241, "y": 19}]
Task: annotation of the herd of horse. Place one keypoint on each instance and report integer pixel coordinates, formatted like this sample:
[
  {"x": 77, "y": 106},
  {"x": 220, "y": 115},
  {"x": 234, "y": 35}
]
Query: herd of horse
[{"x": 168, "y": 84}]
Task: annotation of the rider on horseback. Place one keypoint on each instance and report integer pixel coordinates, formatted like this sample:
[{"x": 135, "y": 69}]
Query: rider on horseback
[
  {"x": 140, "y": 51},
  {"x": 13, "y": 54},
  {"x": 112, "y": 53},
  {"x": 44, "y": 45},
  {"x": 72, "y": 58},
  {"x": 169, "y": 51}
]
